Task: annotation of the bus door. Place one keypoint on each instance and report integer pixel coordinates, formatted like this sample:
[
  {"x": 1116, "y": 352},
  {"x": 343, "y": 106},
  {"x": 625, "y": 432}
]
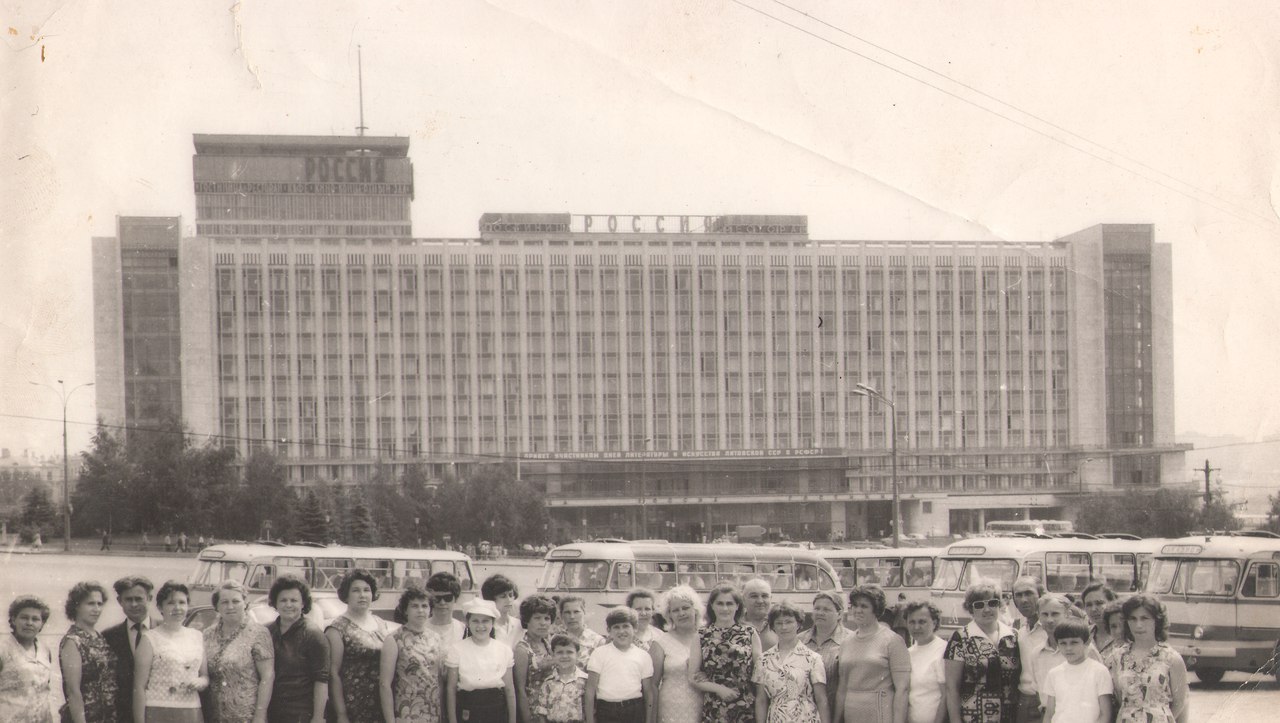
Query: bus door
[{"x": 1258, "y": 609}]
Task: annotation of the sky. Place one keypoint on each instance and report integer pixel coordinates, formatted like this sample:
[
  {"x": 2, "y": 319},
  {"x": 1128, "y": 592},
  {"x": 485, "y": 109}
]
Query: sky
[{"x": 905, "y": 120}]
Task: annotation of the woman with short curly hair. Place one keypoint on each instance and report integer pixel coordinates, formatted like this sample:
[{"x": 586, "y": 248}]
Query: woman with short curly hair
[
  {"x": 88, "y": 662},
  {"x": 982, "y": 661},
  {"x": 26, "y": 666},
  {"x": 533, "y": 651},
  {"x": 875, "y": 670},
  {"x": 355, "y": 652},
  {"x": 1150, "y": 677},
  {"x": 301, "y": 686}
]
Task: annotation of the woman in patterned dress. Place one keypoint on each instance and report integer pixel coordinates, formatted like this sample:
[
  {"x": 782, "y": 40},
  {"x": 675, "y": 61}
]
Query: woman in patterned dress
[
  {"x": 678, "y": 700},
  {"x": 355, "y": 653},
  {"x": 533, "y": 652},
  {"x": 982, "y": 662},
  {"x": 1150, "y": 677},
  {"x": 412, "y": 665},
  {"x": 240, "y": 657},
  {"x": 875, "y": 668},
  {"x": 26, "y": 666},
  {"x": 88, "y": 663},
  {"x": 793, "y": 680},
  {"x": 169, "y": 665},
  {"x": 726, "y": 658}
]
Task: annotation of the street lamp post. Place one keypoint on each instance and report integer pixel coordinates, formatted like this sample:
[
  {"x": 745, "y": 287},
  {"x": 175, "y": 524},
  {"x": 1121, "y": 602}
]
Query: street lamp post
[
  {"x": 872, "y": 393},
  {"x": 64, "y": 395}
]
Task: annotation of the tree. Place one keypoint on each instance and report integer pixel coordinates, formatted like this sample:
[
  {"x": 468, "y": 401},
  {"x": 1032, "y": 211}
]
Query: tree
[
  {"x": 1217, "y": 514},
  {"x": 491, "y": 505},
  {"x": 38, "y": 513},
  {"x": 265, "y": 496},
  {"x": 209, "y": 477},
  {"x": 1273, "y": 515},
  {"x": 102, "y": 499},
  {"x": 1157, "y": 513},
  {"x": 160, "y": 494},
  {"x": 360, "y": 527},
  {"x": 311, "y": 523}
]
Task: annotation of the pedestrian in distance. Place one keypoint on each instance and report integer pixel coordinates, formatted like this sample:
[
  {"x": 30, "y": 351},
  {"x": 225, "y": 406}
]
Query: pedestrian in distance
[
  {"x": 169, "y": 669},
  {"x": 133, "y": 595},
  {"x": 301, "y": 686},
  {"x": 89, "y": 678},
  {"x": 26, "y": 666}
]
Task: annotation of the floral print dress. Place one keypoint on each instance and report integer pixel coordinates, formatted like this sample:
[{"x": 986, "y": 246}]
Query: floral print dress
[
  {"x": 361, "y": 657},
  {"x": 24, "y": 682},
  {"x": 233, "y": 656},
  {"x": 1143, "y": 684},
  {"x": 789, "y": 679},
  {"x": 416, "y": 686},
  {"x": 727, "y": 659},
  {"x": 989, "y": 681},
  {"x": 98, "y": 685},
  {"x": 541, "y": 666}
]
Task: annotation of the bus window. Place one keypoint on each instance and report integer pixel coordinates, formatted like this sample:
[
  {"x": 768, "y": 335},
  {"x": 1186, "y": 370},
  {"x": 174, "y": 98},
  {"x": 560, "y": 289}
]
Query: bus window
[
  {"x": 825, "y": 581},
  {"x": 1035, "y": 569},
  {"x": 1160, "y": 579},
  {"x": 806, "y": 577},
  {"x": 919, "y": 571},
  {"x": 948, "y": 576},
  {"x": 698, "y": 575},
  {"x": 1002, "y": 571},
  {"x": 1207, "y": 577},
  {"x": 1067, "y": 571},
  {"x": 623, "y": 579},
  {"x": 737, "y": 572},
  {"x": 551, "y": 572},
  {"x": 1117, "y": 569},
  {"x": 589, "y": 575},
  {"x": 414, "y": 572},
  {"x": 777, "y": 574},
  {"x": 262, "y": 576},
  {"x": 213, "y": 572},
  {"x": 1263, "y": 580},
  {"x": 883, "y": 571},
  {"x": 382, "y": 572},
  {"x": 299, "y": 567},
  {"x": 329, "y": 572},
  {"x": 656, "y": 576},
  {"x": 846, "y": 572}
]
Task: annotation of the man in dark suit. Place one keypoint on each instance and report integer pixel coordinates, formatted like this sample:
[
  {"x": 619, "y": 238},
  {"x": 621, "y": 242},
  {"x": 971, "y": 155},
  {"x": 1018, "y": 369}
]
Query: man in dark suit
[{"x": 133, "y": 593}]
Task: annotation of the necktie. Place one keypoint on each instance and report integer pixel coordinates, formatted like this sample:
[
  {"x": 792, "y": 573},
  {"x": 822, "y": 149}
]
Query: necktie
[{"x": 137, "y": 635}]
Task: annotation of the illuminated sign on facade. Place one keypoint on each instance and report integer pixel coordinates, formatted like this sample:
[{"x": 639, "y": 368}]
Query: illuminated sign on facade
[
  {"x": 643, "y": 224},
  {"x": 303, "y": 169}
]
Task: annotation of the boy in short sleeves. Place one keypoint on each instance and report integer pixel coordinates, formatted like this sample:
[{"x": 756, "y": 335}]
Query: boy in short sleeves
[
  {"x": 1079, "y": 690},
  {"x": 619, "y": 676}
]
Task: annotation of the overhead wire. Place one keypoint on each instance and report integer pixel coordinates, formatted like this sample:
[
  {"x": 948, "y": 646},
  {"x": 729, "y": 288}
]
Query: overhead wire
[{"x": 1258, "y": 220}]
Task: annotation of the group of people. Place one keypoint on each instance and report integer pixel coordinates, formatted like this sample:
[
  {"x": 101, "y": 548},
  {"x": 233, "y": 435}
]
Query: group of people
[{"x": 740, "y": 657}]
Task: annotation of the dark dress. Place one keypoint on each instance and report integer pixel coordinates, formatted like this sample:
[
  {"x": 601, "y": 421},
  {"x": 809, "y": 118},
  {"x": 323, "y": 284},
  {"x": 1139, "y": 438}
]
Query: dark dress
[
  {"x": 361, "y": 658},
  {"x": 727, "y": 660},
  {"x": 989, "y": 683},
  {"x": 98, "y": 681}
]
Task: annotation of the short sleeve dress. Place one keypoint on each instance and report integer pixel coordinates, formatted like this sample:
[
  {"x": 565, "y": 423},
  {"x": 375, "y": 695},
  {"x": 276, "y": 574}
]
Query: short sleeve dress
[
  {"x": 678, "y": 700},
  {"x": 867, "y": 665},
  {"x": 989, "y": 680},
  {"x": 25, "y": 681},
  {"x": 98, "y": 684},
  {"x": 361, "y": 658},
  {"x": 233, "y": 656},
  {"x": 727, "y": 660},
  {"x": 416, "y": 686},
  {"x": 541, "y": 666},
  {"x": 1143, "y": 684},
  {"x": 789, "y": 679}
]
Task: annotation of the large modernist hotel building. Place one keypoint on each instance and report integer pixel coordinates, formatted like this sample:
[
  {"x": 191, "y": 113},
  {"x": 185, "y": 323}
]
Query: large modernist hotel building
[{"x": 657, "y": 376}]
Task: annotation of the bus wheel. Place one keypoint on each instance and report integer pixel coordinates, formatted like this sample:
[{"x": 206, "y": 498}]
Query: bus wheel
[{"x": 1210, "y": 676}]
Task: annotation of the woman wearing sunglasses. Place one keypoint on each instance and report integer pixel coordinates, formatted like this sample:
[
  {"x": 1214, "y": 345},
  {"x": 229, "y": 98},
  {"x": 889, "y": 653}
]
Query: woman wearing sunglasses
[
  {"x": 982, "y": 662},
  {"x": 444, "y": 590}
]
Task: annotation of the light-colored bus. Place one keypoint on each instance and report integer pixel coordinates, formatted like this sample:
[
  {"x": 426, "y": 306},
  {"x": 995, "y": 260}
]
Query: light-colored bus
[
  {"x": 603, "y": 572},
  {"x": 1223, "y": 598},
  {"x": 257, "y": 565},
  {"x": 1065, "y": 565},
  {"x": 905, "y": 573},
  {"x": 1036, "y": 527}
]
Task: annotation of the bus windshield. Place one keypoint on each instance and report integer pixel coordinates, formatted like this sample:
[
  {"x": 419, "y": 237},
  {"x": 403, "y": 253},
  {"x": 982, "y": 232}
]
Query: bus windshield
[
  {"x": 955, "y": 573},
  {"x": 212, "y": 572},
  {"x": 574, "y": 575}
]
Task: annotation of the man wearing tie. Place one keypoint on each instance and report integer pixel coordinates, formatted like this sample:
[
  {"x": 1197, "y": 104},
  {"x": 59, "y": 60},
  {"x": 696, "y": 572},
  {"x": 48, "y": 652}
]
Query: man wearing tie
[{"x": 133, "y": 593}]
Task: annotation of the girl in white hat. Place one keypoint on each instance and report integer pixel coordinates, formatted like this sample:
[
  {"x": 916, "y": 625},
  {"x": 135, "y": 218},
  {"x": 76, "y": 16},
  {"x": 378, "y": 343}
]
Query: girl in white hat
[{"x": 479, "y": 686}]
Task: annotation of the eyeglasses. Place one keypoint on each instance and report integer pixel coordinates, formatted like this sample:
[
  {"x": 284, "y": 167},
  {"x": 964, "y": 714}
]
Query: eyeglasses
[
  {"x": 993, "y": 603},
  {"x": 442, "y": 597}
]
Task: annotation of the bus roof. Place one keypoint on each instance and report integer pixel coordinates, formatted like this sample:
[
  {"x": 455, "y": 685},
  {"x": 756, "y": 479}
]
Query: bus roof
[
  {"x": 659, "y": 551},
  {"x": 246, "y": 552},
  {"x": 1219, "y": 546},
  {"x": 1018, "y": 546},
  {"x": 880, "y": 552}
]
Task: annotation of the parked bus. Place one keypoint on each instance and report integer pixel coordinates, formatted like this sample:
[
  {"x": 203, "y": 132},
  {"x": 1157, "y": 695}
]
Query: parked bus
[
  {"x": 1223, "y": 598},
  {"x": 603, "y": 572},
  {"x": 257, "y": 565},
  {"x": 1030, "y": 527},
  {"x": 1065, "y": 565},
  {"x": 905, "y": 573}
]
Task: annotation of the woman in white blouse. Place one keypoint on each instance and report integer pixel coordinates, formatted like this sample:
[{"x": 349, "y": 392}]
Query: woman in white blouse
[{"x": 479, "y": 685}]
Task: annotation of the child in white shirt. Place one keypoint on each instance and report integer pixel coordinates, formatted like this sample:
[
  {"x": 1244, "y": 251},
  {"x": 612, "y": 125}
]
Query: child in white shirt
[
  {"x": 619, "y": 675},
  {"x": 1079, "y": 690}
]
